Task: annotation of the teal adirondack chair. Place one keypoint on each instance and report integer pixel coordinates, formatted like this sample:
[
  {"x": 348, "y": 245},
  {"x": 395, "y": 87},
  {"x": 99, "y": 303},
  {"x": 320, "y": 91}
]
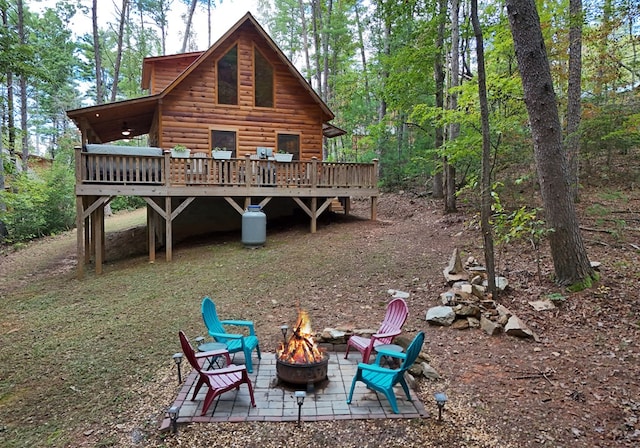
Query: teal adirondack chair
[
  {"x": 235, "y": 342},
  {"x": 382, "y": 379}
]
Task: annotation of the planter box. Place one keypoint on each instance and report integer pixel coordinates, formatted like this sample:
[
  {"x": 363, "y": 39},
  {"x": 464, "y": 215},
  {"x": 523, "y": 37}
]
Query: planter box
[
  {"x": 221, "y": 155},
  {"x": 180, "y": 154},
  {"x": 283, "y": 157}
]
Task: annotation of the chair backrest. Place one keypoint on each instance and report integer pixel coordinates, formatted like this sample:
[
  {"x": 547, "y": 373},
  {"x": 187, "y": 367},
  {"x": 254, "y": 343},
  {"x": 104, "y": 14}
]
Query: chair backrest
[
  {"x": 188, "y": 351},
  {"x": 413, "y": 351},
  {"x": 210, "y": 317},
  {"x": 395, "y": 316}
]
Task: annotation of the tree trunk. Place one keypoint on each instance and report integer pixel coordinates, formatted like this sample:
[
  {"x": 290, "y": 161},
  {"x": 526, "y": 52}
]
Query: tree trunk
[
  {"x": 363, "y": 54},
  {"x": 438, "y": 73},
  {"x": 187, "y": 28},
  {"x": 486, "y": 200},
  {"x": 23, "y": 94},
  {"x": 574, "y": 93},
  {"x": 317, "y": 26},
  {"x": 96, "y": 51},
  {"x": 305, "y": 40},
  {"x": 116, "y": 69},
  {"x": 325, "y": 52},
  {"x": 454, "y": 128},
  {"x": 570, "y": 261},
  {"x": 209, "y": 23}
]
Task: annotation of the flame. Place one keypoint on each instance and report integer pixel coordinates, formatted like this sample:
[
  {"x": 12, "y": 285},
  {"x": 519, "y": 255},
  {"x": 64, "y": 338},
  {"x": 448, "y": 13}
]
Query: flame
[{"x": 300, "y": 348}]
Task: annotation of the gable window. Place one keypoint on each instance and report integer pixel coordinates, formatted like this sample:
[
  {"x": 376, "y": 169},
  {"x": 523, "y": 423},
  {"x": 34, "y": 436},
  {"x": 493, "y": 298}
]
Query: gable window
[
  {"x": 289, "y": 143},
  {"x": 227, "y": 68},
  {"x": 263, "y": 80},
  {"x": 225, "y": 140}
]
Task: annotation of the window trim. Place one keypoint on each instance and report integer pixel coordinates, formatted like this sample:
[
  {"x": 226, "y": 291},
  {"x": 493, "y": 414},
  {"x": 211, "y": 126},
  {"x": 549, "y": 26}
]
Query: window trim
[
  {"x": 273, "y": 78},
  {"x": 298, "y": 156},
  {"x": 214, "y": 128},
  {"x": 217, "y": 75}
]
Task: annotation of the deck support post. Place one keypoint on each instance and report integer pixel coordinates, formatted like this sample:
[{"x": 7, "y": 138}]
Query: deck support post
[
  {"x": 80, "y": 237},
  {"x": 151, "y": 233},
  {"x": 168, "y": 228},
  {"x": 314, "y": 216},
  {"x": 374, "y": 208}
]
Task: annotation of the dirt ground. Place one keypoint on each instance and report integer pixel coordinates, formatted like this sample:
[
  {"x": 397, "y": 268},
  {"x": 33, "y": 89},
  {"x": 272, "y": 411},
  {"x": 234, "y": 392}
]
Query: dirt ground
[{"x": 578, "y": 386}]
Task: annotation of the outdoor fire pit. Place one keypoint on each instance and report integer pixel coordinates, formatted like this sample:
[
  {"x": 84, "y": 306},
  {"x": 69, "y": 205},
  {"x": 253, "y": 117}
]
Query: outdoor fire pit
[{"x": 298, "y": 359}]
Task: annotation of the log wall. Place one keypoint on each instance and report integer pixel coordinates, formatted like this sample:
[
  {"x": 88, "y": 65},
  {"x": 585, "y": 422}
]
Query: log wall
[{"x": 190, "y": 111}]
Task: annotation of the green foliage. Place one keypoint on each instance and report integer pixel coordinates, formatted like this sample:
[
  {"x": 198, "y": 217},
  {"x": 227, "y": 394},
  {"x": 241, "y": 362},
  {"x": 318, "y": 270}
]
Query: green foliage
[
  {"x": 38, "y": 206},
  {"x": 519, "y": 224},
  {"x": 556, "y": 297},
  {"x": 127, "y": 203}
]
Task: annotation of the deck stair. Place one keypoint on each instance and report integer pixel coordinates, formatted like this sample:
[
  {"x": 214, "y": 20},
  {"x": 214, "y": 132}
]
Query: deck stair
[{"x": 336, "y": 206}]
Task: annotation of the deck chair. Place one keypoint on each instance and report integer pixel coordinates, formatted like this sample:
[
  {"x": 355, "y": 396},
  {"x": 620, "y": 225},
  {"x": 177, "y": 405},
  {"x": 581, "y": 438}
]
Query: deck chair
[
  {"x": 397, "y": 312},
  {"x": 383, "y": 379},
  {"x": 235, "y": 342},
  {"x": 218, "y": 381}
]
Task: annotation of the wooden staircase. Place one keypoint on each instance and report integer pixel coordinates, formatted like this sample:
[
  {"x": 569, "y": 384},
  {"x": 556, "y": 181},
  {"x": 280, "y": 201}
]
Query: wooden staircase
[{"x": 336, "y": 206}]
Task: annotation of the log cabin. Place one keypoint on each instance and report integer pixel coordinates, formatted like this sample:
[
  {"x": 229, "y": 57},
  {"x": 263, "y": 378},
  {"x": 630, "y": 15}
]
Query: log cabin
[{"x": 217, "y": 123}]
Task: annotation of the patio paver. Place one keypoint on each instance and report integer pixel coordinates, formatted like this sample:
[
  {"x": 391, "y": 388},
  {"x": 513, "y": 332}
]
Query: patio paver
[{"x": 276, "y": 402}]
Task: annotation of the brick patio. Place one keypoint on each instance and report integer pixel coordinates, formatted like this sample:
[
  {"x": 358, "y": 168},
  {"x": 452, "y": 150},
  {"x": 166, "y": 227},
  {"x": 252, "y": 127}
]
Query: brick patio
[{"x": 275, "y": 402}]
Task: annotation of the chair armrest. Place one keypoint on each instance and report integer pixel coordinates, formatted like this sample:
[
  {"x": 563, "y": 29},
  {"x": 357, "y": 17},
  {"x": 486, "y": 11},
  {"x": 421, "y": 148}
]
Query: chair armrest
[
  {"x": 390, "y": 354},
  {"x": 386, "y": 335},
  {"x": 373, "y": 368},
  {"x": 241, "y": 323},
  {"x": 225, "y": 370},
  {"x": 225, "y": 335},
  {"x": 211, "y": 353}
]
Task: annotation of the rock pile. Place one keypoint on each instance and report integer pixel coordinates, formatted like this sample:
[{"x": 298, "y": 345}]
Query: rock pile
[{"x": 467, "y": 304}]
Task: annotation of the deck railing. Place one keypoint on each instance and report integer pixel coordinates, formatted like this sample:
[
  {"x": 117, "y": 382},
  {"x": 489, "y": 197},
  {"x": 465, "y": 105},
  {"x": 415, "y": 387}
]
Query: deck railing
[{"x": 152, "y": 170}]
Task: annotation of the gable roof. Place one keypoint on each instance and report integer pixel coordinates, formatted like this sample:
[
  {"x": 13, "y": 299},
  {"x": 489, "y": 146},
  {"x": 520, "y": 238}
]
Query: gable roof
[{"x": 107, "y": 120}]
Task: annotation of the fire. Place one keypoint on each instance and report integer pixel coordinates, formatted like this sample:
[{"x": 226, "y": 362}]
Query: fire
[{"x": 300, "y": 348}]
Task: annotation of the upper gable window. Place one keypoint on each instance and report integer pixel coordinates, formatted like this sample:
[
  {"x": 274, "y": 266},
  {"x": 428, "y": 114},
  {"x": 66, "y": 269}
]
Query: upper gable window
[
  {"x": 263, "y": 80},
  {"x": 228, "y": 77}
]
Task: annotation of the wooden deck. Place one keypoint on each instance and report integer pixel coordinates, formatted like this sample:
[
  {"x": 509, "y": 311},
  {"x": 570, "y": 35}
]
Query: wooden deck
[{"x": 312, "y": 185}]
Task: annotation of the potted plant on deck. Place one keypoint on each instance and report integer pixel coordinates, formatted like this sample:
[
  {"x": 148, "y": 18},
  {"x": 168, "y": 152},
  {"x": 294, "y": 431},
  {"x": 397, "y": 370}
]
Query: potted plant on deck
[
  {"x": 282, "y": 156},
  {"x": 180, "y": 152},
  {"x": 221, "y": 153}
]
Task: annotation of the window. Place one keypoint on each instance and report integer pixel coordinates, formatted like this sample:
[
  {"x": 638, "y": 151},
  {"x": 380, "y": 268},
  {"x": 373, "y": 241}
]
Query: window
[
  {"x": 228, "y": 77},
  {"x": 289, "y": 143},
  {"x": 263, "y": 80},
  {"x": 225, "y": 140}
]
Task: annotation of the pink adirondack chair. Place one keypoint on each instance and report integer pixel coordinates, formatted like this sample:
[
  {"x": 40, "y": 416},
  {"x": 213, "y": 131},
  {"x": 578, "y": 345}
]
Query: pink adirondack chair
[
  {"x": 397, "y": 312},
  {"x": 218, "y": 381}
]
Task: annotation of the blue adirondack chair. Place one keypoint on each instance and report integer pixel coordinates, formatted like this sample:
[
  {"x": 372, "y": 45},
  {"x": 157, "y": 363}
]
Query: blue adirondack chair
[
  {"x": 382, "y": 379},
  {"x": 235, "y": 342}
]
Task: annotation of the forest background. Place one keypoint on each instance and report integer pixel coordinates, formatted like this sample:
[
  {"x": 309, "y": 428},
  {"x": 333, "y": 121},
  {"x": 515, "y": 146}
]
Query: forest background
[{"x": 400, "y": 77}]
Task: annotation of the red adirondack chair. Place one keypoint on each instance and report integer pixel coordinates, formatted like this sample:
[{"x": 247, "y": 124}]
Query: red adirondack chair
[
  {"x": 397, "y": 312},
  {"x": 219, "y": 381}
]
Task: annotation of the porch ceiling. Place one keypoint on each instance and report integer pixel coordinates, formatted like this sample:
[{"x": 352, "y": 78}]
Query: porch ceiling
[{"x": 104, "y": 123}]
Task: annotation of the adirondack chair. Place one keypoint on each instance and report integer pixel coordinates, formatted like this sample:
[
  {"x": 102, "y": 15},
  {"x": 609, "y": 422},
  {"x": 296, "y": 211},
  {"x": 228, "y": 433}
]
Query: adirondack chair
[
  {"x": 397, "y": 312},
  {"x": 235, "y": 342},
  {"x": 218, "y": 381},
  {"x": 383, "y": 379}
]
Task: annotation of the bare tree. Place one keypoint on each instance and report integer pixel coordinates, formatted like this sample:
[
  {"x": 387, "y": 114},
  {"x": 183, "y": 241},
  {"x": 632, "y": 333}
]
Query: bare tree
[
  {"x": 574, "y": 92},
  {"x": 570, "y": 261},
  {"x": 23, "y": 93},
  {"x": 454, "y": 128},
  {"x": 187, "y": 29},
  {"x": 486, "y": 201},
  {"x": 116, "y": 70},
  {"x": 96, "y": 52},
  {"x": 438, "y": 73}
]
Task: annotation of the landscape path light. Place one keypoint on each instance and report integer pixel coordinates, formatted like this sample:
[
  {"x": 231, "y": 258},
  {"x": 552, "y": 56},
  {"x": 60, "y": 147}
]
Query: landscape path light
[
  {"x": 177, "y": 358},
  {"x": 441, "y": 399},
  {"x": 173, "y": 412},
  {"x": 300, "y": 395}
]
